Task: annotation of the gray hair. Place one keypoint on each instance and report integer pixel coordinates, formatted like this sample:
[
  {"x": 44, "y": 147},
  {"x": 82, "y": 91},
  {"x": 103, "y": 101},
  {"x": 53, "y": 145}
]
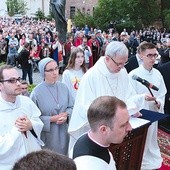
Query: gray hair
[{"x": 116, "y": 48}]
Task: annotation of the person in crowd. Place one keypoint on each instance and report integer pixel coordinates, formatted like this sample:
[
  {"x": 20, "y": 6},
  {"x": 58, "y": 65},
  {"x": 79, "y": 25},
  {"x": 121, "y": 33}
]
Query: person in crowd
[
  {"x": 165, "y": 52},
  {"x": 154, "y": 101},
  {"x": 55, "y": 103},
  {"x": 19, "y": 119},
  {"x": 18, "y": 33},
  {"x": 12, "y": 50},
  {"x": 30, "y": 39},
  {"x": 94, "y": 45},
  {"x": 115, "y": 36},
  {"x": 57, "y": 50},
  {"x": 45, "y": 160},
  {"x": 100, "y": 41},
  {"x": 135, "y": 61},
  {"x": 24, "y": 87},
  {"x": 75, "y": 69},
  {"x": 87, "y": 52},
  {"x": 48, "y": 39},
  {"x": 38, "y": 36},
  {"x": 79, "y": 38},
  {"x": 5, "y": 36},
  {"x": 68, "y": 46},
  {"x": 107, "y": 77},
  {"x": 33, "y": 44},
  {"x": 109, "y": 123},
  {"x": 165, "y": 69},
  {"x": 26, "y": 62},
  {"x": 3, "y": 46},
  {"x": 133, "y": 43},
  {"x": 22, "y": 42},
  {"x": 45, "y": 50}
]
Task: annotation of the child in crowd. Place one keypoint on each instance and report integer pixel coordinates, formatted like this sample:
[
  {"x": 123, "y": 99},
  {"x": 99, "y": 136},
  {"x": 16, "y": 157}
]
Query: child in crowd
[{"x": 74, "y": 71}]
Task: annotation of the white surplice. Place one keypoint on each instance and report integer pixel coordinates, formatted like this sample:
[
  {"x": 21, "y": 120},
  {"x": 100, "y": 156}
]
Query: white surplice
[
  {"x": 14, "y": 144},
  {"x": 98, "y": 81},
  {"x": 152, "y": 157}
]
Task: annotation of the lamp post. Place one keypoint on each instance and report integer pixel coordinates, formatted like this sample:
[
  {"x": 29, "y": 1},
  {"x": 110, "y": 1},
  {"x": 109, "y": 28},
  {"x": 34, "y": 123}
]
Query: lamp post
[{"x": 84, "y": 6}]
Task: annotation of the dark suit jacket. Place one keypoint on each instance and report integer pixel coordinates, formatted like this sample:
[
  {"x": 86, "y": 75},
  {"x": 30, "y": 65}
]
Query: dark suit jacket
[
  {"x": 165, "y": 70},
  {"x": 132, "y": 63},
  {"x": 23, "y": 58}
]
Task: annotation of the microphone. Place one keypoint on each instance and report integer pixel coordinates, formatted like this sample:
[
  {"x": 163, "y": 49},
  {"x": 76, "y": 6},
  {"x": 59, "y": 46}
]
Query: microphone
[{"x": 145, "y": 82}]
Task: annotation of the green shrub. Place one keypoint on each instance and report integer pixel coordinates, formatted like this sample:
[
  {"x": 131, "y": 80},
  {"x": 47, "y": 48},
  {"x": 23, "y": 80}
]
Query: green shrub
[{"x": 31, "y": 87}]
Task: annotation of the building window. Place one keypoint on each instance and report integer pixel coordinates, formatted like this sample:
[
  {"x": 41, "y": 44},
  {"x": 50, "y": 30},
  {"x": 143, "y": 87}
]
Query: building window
[{"x": 72, "y": 12}]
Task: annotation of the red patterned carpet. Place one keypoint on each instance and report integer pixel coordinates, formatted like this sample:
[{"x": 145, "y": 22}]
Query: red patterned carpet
[{"x": 164, "y": 143}]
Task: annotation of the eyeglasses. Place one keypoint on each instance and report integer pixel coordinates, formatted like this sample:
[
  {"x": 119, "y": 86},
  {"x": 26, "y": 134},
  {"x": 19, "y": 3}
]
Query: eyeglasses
[
  {"x": 12, "y": 80},
  {"x": 119, "y": 64},
  {"x": 51, "y": 70},
  {"x": 152, "y": 55}
]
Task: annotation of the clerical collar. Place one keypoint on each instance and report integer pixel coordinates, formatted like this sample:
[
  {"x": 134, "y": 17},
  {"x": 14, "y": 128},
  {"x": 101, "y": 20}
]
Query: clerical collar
[{"x": 96, "y": 141}]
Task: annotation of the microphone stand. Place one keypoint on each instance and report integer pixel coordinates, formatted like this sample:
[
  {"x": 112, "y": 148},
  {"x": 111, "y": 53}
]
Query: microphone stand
[{"x": 152, "y": 94}]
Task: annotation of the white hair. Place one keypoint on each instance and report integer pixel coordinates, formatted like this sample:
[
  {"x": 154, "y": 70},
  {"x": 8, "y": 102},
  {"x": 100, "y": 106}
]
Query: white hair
[{"x": 116, "y": 48}]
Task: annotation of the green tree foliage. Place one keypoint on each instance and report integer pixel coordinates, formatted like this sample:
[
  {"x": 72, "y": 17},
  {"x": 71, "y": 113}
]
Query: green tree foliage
[
  {"x": 166, "y": 14},
  {"x": 81, "y": 19},
  {"x": 126, "y": 13},
  {"x": 105, "y": 12},
  {"x": 133, "y": 13},
  {"x": 40, "y": 15},
  {"x": 16, "y": 7}
]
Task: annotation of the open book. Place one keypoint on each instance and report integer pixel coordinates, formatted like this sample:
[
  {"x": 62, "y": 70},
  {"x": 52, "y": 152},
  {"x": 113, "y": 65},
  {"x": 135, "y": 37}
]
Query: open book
[
  {"x": 147, "y": 117},
  {"x": 137, "y": 122}
]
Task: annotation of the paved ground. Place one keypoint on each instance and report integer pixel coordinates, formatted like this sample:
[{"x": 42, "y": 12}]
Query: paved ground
[{"x": 36, "y": 76}]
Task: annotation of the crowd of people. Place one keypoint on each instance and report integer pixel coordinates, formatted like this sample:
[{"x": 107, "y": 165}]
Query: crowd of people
[{"x": 78, "y": 116}]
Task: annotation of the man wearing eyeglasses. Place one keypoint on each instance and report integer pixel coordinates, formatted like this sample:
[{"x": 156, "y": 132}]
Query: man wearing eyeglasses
[
  {"x": 107, "y": 77},
  {"x": 154, "y": 101},
  {"x": 135, "y": 61},
  {"x": 19, "y": 120}
]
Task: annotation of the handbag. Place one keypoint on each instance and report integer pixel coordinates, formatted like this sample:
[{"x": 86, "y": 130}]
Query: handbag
[{"x": 3, "y": 51}]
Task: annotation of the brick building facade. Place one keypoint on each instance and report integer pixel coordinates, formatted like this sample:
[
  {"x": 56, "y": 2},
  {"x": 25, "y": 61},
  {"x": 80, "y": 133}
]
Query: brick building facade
[{"x": 85, "y": 6}]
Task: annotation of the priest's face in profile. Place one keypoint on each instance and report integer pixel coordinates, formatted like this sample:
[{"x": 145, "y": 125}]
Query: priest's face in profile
[{"x": 121, "y": 126}]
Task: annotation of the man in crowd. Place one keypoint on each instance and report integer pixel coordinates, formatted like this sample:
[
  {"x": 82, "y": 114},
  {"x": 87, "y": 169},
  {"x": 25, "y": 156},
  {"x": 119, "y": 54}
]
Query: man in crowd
[
  {"x": 87, "y": 51},
  {"x": 20, "y": 126},
  {"x": 109, "y": 123},
  {"x": 45, "y": 160},
  {"x": 26, "y": 62},
  {"x": 135, "y": 61},
  {"x": 165, "y": 69},
  {"x": 107, "y": 77},
  {"x": 154, "y": 101},
  {"x": 12, "y": 50}
]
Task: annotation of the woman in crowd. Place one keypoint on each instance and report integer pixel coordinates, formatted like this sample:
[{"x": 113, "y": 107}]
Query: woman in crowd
[
  {"x": 74, "y": 71},
  {"x": 3, "y": 46},
  {"x": 22, "y": 42},
  {"x": 55, "y": 103}
]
